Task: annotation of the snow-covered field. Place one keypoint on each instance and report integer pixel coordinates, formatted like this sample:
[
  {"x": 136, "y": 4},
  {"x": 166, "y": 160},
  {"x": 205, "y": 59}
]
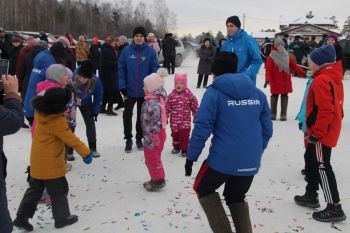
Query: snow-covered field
[{"x": 108, "y": 195}]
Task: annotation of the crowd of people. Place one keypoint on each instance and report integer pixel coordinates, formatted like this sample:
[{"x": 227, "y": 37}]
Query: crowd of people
[{"x": 53, "y": 88}]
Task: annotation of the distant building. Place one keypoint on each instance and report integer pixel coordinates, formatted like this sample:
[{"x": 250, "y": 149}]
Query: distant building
[
  {"x": 307, "y": 26},
  {"x": 260, "y": 36}
]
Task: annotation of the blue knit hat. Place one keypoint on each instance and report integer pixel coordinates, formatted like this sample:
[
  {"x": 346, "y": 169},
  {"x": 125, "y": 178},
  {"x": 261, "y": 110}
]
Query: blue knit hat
[{"x": 323, "y": 56}]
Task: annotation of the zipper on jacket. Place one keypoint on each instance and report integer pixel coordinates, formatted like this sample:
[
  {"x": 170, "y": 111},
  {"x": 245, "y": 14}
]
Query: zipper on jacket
[{"x": 137, "y": 69}]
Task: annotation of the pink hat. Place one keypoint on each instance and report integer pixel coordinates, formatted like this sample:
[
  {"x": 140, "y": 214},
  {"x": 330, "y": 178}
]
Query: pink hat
[
  {"x": 333, "y": 36},
  {"x": 153, "y": 81},
  {"x": 31, "y": 41},
  {"x": 181, "y": 78}
]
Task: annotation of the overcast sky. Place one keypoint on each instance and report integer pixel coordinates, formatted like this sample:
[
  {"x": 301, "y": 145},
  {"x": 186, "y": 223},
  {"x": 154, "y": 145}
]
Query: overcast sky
[{"x": 196, "y": 16}]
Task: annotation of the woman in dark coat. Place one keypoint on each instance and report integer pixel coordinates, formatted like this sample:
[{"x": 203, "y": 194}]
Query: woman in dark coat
[
  {"x": 109, "y": 76},
  {"x": 95, "y": 53},
  {"x": 206, "y": 57}
]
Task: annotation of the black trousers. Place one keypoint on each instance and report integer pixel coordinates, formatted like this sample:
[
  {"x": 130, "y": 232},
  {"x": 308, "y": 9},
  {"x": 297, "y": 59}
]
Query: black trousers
[
  {"x": 319, "y": 171},
  {"x": 170, "y": 64},
  {"x": 200, "y": 78},
  {"x": 89, "y": 121},
  {"x": 208, "y": 180},
  {"x": 57, "y": 190},
  {"x": 129, "y": 104},
  {"x": 5, "y": 219}
]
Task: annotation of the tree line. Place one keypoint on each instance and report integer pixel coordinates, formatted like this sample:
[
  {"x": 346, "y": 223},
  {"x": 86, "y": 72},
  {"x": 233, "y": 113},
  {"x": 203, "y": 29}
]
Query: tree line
[{"x": 88, "y": 17}]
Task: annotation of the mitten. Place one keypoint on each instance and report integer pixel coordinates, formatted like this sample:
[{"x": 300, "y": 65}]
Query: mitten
[
  {"x": 188, "y": 167},
  {"x": 88, "y": 159},
  {"x": 266, "y": 83}
]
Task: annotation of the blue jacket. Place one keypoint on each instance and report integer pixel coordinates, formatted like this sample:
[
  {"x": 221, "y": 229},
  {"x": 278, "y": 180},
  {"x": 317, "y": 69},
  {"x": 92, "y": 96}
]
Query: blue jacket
[
  {"x": 247, "y": 51},
  {"x": 94, "y": 94},
  {"x": 238, "y": 115},
  {"x": 301, "y": 117},
  {"x": 41, "y": 62},
  {"x": 135, "y": 63}
]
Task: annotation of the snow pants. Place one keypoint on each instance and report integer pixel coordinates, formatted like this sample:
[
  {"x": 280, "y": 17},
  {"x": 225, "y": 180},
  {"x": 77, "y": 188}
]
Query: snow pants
[
  {"x": 180, "y": 139},
  {"x": 153, "y": 158}
]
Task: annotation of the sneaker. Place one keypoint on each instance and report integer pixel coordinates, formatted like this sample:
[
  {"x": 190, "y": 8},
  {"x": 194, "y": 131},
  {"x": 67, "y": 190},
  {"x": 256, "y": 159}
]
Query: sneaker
[
  {"x": 175, "y": 151},
  {"x": 139, "y": 144},
  {"x": 184, "y": 153},
  {"x": 128, "y": 146},
  {"x": 308, "y": 200},
  {"x": 23, "y": 223},
  {"x": 332, "y": 213},
  {"x": 70, "y": 157},
  {"x": 96, "y": 154},
  {"x": 154, "y": 185},
  {"x": 67, "y": 221}
]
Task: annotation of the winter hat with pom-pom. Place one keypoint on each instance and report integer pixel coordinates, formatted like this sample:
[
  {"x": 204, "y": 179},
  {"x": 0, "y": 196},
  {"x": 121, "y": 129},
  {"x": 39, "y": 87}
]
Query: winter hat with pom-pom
[
  {"x": 180, "y": 78},
  {"x": 52, "y": 101},
  {"x": 154, "y": 81},
  {"x": 323, "y": 56}
]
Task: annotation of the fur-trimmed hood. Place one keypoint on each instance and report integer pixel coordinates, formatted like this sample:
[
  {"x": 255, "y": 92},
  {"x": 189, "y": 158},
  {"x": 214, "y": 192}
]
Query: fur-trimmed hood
[{"x": 53, "y": 101}]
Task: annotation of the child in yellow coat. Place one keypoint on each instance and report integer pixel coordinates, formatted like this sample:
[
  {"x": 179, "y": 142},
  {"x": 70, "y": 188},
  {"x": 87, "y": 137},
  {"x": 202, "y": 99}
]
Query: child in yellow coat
[{"x": 47, "y": 159}]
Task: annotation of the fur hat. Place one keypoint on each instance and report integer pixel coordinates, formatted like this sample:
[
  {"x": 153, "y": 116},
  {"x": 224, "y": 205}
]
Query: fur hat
[
  {"x": 333, "y": 36},
  {"x": 58, "y": 51},
  {"x": 234, "y": 20},
  {"x": 139, "y": 30},
  {"x": 52, "y": 101},
  {"x": 277, "y": 42},
  {"x": 123, "y": 38},
  {"x": 154, "y": 81},
  {"x": 180, "y": 78},
  {"x": 225, "y": 62},
  {"x": 323, "y": 56},
  {"x": 55, "y": 72},
  {"x": 86, "y": 69}
]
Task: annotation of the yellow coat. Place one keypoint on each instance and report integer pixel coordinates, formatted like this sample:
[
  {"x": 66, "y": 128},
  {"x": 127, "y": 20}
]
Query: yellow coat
[{"x": 47, "y": 158}]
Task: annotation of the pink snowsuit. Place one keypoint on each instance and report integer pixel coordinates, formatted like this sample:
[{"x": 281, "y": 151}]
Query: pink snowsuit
[
  {"x": 153, "y": 121},
  {"x": 179, "y": 106}
]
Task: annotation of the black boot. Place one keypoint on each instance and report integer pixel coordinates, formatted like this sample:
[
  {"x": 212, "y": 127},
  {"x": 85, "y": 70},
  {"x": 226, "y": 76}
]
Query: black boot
[
  {"x": 215, "y": 213},
  {"x": 67, "y": 221},
  {"x": 332, "y": 213},
  {"x": 128, "y": 146},
  {"x": 284, "y": 105},
  {"x": 308, "y": 200},
  {"x": 139, "y": 144},
  {"x": 154, "y": 185},
  {"x": 273, "y": 105},
  {"x": 23, "y": 223},
  {"x": 110, "y": 111},
  {"x": 240, "y": 217}
]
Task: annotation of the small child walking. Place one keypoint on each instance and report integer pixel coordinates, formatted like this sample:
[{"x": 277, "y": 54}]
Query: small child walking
[
  {"x": 180, "y": 103},
  {"x": 47, "y": 159},
  {"x": 153, "y": 122}
]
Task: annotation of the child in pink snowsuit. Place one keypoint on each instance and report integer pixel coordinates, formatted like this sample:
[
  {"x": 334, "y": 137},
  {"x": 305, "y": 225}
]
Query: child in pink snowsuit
[
  {"x": 153, "y": 121},
  {"x": 181, "y": 102}
]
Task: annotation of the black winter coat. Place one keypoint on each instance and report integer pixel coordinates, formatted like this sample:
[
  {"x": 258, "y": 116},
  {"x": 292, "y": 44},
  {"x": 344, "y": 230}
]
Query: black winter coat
[
  {"x": 206, "y": 58},
  {"x": 169, "y": 47},
  {"x": 5, "y": 47},
  {"x": 14, "y": 54},
  {"x": 109, "y": 68},
  {"x": 71, "y": 62},
  {"x": 95, "y": 54}
]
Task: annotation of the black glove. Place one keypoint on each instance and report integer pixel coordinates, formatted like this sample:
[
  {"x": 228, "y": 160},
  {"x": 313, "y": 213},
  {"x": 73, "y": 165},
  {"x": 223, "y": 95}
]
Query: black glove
[
  {"x": 313, "y": 139},
  {"x": 266, "y": 83},
  {"x": 94, "y": 116},
  {"x": 300, "y": 125},
  {"x": 188, "y": 167},
  {"x": 123, "y": 91}
]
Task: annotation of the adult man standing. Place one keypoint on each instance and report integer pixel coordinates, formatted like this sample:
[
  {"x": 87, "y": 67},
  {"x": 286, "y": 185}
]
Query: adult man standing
[
  {"x": 11, "y": 120},
  {"x": 169, "y": 52},
  {"x": 136, "y": 61},
  {"x": 244, "y": 46}
]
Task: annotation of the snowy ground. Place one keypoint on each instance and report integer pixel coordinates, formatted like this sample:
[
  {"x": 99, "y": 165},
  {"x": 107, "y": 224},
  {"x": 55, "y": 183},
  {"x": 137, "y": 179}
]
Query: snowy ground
[{"x": 108, "y": 195}]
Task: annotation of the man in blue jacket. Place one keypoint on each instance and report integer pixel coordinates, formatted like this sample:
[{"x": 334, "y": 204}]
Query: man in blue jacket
[
  {"x": 244, "y": 46},
  {"x": 238, "y": 115},
  {"x": 11, "y": 120},
  {"x": 136, "y": 61}
]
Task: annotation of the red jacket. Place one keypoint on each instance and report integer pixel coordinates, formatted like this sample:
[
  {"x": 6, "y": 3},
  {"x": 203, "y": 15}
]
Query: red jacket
[
  {"x": 280, "y": 81},
  {"x": 324, "y": 107}
]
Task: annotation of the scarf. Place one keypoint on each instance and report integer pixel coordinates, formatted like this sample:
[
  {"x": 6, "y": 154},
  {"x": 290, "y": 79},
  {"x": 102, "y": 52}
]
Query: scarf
[
  {"x": 281, "y": 59},
  {"x": 162, "y": 107}
]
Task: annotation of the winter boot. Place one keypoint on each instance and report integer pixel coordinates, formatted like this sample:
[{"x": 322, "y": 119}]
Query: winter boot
[
  {"x": 273, "y": 103},
  {"x": 139, "y": 144},
  {"x": 67, "y": 221},
  {"x": 175, "y": 151},
  {"x": 103, "y": 109},
  {"x": 240, "y": 217},
  {"x": 128, "y": 146},
  {"x": 332, "y": 213},
  {"x": 199, "y": 82},
  {"x": 184, "y": 154},
  {"x": 110, "y": 111},
  {"x": 308, "y": 200},
  {"x": 154, "y": 185},
  {"x": 23, "y": 223},
  {"x": 215, "y": 213},
  {"x": 284, "y": 105}
]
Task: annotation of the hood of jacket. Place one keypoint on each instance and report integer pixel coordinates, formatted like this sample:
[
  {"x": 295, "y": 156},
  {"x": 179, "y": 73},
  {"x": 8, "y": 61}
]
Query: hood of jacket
[
  {"x": 334, "y": 70},
  {"x": 44, "y": 59},
  {"x": 160, "y": 92},
  {"x": 44, "y": 119},
  {"x": 238, "y": 86}
]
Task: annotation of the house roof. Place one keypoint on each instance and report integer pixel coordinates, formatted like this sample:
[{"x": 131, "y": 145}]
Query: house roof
[
  {"x": 263, "y": 34},
  {"x": 288, "y": 20},
  {"x": 310, "y": 29}
]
